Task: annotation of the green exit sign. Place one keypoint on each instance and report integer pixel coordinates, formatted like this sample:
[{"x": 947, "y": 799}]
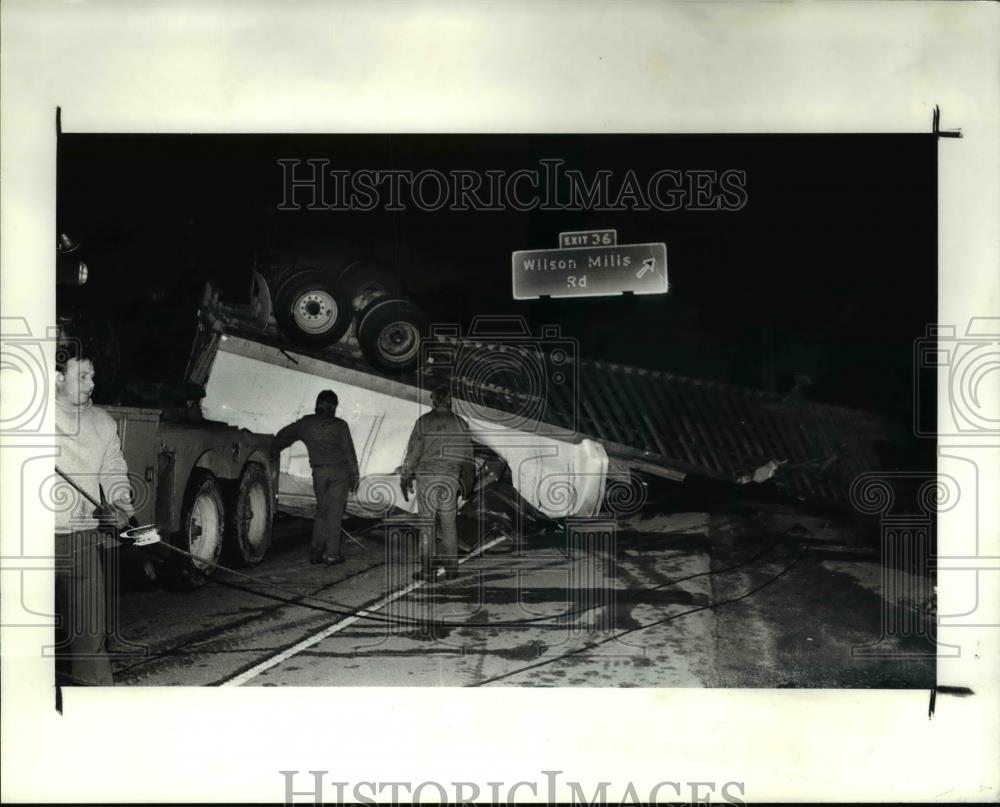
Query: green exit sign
[{"x": 592, "y": 271}]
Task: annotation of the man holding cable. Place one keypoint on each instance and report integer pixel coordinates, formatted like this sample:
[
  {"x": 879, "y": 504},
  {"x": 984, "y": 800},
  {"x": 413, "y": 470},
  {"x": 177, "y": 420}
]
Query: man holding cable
[{"x": 90, "y": 462}]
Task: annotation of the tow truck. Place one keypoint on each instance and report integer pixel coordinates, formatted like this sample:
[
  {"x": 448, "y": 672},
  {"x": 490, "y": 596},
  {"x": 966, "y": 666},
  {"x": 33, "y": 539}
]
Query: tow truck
[{"x": 209, "y": 487}]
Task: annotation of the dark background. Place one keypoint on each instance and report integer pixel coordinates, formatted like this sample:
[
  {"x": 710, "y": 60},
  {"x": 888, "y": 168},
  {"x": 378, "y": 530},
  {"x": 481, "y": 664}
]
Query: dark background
[{"x": 830, "y": 269}]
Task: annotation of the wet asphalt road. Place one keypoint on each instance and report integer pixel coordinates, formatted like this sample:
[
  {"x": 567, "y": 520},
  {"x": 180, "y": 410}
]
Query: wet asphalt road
[{"x": 689, "y": 601}]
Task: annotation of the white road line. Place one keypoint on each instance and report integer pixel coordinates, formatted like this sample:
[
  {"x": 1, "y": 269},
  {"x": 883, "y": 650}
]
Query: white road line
[{"x": 338, "y": 626}]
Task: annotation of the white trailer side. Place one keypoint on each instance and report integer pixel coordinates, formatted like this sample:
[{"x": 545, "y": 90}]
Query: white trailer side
[{"x": 262, "y": 387}]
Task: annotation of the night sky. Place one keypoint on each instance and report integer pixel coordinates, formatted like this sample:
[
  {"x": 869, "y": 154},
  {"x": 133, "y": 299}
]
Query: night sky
[{"x": 829, "y": 270}]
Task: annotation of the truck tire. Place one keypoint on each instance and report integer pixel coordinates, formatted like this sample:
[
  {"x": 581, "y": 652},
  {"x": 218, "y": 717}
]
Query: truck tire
[
  {"x": 203, "y": 520},
  {"x": 312, "y": 310},
  {"x": 250, "y": 511},
  {"x": 389, "y": 334},
  {"x": 365, "y": 280}
]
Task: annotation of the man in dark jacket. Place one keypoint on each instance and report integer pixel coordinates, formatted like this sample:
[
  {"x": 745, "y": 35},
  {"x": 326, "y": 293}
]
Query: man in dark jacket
[
  {"x": 440, "y": 447},
  {"x": 335, "y": 472}
]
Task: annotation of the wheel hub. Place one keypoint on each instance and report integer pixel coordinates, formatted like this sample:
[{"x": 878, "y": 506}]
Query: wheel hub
[
  {"x": 399, "y": 340},
  {"x": 315, "y": 312},
  {"x": 203, "y": 529}
]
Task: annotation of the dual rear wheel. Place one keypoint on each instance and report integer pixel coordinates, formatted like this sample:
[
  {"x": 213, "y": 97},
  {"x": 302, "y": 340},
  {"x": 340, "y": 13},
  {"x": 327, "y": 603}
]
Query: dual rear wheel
[
  {"x": 214, "y": 526},
  {"x": 315, "y": 310}
]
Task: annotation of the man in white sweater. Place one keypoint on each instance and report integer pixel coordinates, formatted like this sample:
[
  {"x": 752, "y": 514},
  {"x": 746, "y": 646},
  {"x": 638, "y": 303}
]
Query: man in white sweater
[{"x": 90, "y": 454}]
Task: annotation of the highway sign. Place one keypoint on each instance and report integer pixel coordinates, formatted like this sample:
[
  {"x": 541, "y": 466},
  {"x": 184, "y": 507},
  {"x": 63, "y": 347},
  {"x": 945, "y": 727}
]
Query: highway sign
[
  {"x": 590, "y": 271},
  {"x": 588, "y": 238}
]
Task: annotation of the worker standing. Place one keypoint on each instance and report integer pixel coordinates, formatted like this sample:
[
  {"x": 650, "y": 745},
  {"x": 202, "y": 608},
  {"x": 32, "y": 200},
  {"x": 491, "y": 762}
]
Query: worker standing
[
  {"x": 440, "y": 447},
  {"x": 90, "y": 455},
  {"x": 334, "y": 469}
]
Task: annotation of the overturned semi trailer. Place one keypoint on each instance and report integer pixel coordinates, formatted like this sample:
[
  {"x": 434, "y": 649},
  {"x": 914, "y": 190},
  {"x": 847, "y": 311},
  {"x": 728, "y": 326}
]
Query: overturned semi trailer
[
  {"x": 571, "y": 430},
  {"x": 258, "y": 381}
]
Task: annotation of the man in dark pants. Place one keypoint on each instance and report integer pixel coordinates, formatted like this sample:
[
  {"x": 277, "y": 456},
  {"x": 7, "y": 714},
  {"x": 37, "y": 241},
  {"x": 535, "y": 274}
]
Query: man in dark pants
[
  {"x": 334, "y": 468},
  {"x": 90, "y": 454},
  {"x": 440, "y": 447}
]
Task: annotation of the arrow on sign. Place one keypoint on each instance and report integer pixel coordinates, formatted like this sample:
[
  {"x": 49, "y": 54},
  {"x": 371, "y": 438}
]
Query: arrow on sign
[{"x": 648, "y": 265}]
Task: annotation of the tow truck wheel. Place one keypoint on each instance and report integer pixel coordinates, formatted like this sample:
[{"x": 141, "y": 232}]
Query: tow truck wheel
[
  {"x": 202, "y": 526},
  {"x": 312, "y": 310},
  {"x": 251, "y": 511},
  {"x": 389, "y": 334}
]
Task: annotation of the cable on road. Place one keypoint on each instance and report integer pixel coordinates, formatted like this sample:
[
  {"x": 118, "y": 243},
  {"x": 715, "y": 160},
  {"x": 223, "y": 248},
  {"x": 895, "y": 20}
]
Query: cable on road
[
  {"x": 619, "y": 634},
  {"x": 340, "y": 609},
  {"x": 361, "y": 612},
  {"x": 710, "y": 572}
]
